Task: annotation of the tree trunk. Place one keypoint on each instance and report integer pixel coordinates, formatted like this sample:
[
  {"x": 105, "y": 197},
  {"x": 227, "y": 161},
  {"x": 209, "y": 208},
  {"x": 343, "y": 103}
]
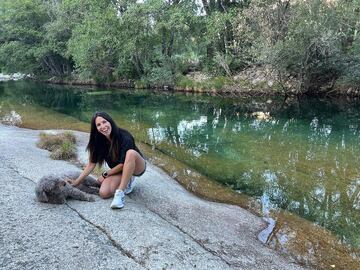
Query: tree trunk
[
  {"x": 138, "y": 65},
  {"x": 163, "y": 45},
  {"x": 206, "y": 7},
  {"x": 171, "y": 44}
]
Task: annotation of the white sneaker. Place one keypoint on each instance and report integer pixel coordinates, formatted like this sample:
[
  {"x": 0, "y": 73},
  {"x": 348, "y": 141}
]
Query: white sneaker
[
  {"x": 130, "y": 186},
  {"x": 119, "y": 200}
]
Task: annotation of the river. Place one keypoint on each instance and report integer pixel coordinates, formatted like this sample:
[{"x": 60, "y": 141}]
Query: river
[{"x": 303, "y": 157}]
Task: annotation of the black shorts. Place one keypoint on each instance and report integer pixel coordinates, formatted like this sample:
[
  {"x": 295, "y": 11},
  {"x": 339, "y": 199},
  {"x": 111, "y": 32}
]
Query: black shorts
[{"x": 140, "y": 174}]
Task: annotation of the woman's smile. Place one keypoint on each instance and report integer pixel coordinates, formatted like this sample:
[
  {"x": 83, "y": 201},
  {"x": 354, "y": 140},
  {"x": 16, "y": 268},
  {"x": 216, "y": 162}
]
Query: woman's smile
[{"x": 103, "y": 126}]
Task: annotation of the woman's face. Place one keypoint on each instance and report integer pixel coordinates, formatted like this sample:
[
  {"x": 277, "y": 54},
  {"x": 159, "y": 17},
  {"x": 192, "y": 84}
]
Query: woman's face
[{"x": 103, "y": 126}]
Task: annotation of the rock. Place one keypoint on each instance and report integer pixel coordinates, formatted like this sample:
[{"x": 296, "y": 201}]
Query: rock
[
  {"x": 261, "y": 115},
  {"x": 12, "y": 77},
  {"x": 12, "y": 119},
  {"x": 161, "y": 227},
  {"x": 197, "y": 76}
]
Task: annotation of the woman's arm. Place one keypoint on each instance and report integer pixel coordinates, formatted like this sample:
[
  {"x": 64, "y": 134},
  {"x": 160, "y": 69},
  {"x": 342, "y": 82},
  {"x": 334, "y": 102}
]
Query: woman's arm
[
  {"x": 117, "y": 169},
  {"x": 88, "y": 169}
]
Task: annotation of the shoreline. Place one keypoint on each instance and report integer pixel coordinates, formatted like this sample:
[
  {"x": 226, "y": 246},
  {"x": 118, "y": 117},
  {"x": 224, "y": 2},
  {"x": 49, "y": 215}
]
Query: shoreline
[
  {"x": 286, "y": 223},
  {"x": 241, "y": 88},
  {"x": 244, "y": 87},
  {"x": 181, "y": 231},
  {"x": 303, "y": 236}
]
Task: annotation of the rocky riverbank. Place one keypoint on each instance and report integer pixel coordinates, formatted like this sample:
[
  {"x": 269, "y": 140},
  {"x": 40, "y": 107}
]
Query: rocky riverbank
[
  {"x": 162, "y": 226},
  {"x": 12, "y": 77},
  {"x": 252, "y": 82}
]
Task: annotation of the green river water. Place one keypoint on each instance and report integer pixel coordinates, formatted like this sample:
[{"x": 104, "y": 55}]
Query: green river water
[{"x": 304, "y": 159}]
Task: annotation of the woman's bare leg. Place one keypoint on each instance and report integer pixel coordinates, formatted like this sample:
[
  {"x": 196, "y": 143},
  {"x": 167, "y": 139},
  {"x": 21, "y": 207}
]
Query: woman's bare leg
[
  {"x": 134, "y": 164},
  {"x": 109, "y": 185}
]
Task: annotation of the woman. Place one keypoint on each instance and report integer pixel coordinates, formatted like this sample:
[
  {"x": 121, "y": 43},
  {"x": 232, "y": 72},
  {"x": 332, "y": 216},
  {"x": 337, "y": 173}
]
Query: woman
[{"x": 117, "y": 148}]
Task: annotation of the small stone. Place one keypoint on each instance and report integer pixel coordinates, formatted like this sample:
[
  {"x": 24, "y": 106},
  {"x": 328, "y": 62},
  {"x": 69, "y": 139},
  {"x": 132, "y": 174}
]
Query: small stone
[{"x": 12, "y": 119}]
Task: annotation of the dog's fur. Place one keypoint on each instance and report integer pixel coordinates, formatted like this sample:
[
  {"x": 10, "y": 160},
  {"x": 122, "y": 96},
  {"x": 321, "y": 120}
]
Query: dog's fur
[{"x": 54, "y": 188}]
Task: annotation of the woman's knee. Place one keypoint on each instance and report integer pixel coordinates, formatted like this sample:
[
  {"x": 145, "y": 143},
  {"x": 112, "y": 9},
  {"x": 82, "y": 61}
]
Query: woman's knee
[
  {"x": 131, "y": 154},
  {"x": 104, "y": 194}
]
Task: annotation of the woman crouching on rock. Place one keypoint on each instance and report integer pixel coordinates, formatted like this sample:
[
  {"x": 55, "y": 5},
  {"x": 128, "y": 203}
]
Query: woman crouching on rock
[{"x": 115, "y": 146}]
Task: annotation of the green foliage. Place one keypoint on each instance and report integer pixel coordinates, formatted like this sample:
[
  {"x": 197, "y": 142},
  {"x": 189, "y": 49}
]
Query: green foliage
[
  {"x": 24, "y": 42},
  {"x": 155, "y": 42},
  {"x": 350, "y": 75},
  {"x": 184, "y": 82},
  {"x": 141, "y": 84},
  {"x": 222, "y": 52},
  {"x": 66, "y": 151},
  {"x": 93, "y": 45},
  {"x": 221, "y": 81},
  {"x": 21, "y": 34},
  {"x": 312, "y": 43},
  {"x": 350, "y": 61},
  {"x": 13, "y": 58},
  {"x": 155, "y": 34}
]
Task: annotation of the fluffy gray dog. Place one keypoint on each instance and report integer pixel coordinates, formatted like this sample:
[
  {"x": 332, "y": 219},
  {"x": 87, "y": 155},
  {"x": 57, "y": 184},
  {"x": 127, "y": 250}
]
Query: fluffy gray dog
[{"x": 54, "y": 188}]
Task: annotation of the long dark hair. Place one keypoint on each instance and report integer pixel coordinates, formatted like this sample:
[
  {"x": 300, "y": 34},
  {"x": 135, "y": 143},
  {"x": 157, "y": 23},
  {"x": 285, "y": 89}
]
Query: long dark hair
[{"x": 98, "y": 145}]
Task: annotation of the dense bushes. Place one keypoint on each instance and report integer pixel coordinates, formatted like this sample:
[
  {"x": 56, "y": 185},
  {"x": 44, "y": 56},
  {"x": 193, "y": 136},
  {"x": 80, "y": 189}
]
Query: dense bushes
[
  {"x": 314, "y": 48},
  {"x": 156, "y": 42}
]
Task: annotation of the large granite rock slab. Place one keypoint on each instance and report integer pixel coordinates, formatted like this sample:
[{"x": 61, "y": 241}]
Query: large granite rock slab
[{"x": 161, "y": 227}]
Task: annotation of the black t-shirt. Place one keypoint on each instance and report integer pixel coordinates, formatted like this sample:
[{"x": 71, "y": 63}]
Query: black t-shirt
[{"x": 126, "y": 142}]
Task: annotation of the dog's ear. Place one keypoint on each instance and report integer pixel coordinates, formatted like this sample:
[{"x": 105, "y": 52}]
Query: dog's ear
[{"x": 41, "y": 196}]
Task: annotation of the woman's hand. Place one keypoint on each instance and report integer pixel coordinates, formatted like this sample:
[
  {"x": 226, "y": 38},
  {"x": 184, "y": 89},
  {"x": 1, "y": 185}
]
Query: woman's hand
[
  {"x": 71, "y": 182},
  {"x": 88, "y": 169}
]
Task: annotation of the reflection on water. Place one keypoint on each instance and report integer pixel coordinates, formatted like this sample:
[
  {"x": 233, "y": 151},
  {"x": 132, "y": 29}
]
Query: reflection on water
[
  {"x": 307, "y": 164},
  {"x": 304, "y": 159}
]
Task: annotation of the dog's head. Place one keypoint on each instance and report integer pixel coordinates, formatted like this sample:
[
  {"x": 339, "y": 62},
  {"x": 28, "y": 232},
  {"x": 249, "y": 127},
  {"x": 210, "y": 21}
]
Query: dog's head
[{"x": 50, "y": 190}]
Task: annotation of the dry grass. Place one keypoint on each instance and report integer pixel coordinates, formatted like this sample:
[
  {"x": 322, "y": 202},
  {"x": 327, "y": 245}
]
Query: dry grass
[{"x": 62, "y": 146}]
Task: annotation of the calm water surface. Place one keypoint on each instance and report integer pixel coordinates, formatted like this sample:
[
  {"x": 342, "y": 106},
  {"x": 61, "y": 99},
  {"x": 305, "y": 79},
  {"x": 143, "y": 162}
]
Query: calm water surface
[{"x": 305, "y": 159}]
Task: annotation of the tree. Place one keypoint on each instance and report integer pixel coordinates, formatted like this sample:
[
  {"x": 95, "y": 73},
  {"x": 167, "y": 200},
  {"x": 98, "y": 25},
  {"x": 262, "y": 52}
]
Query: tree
[
  {"x": 313, "y": 44},
  {"x": 24, "y": 44},
  {"x": 94, "y": 41}
]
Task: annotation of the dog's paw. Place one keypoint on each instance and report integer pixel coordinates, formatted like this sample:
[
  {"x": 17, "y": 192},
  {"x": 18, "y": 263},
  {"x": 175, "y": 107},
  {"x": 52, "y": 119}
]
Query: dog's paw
[{"x": 91, "y": 199}]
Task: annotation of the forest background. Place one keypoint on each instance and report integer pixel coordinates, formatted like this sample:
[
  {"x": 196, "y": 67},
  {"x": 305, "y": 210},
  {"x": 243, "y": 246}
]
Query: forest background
[{"x": 314, "y": 43}]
